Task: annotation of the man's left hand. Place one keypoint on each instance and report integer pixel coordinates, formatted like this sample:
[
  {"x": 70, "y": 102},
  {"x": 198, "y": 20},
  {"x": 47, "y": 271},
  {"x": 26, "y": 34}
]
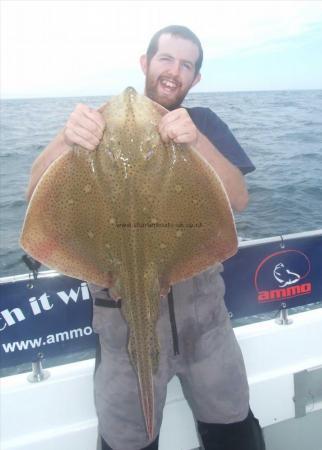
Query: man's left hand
[{"x": 177, "y": 125}]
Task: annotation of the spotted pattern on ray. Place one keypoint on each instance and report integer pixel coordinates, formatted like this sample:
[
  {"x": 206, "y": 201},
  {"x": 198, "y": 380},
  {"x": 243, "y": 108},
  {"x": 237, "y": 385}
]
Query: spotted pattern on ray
[{"x": 137, "y": 215}]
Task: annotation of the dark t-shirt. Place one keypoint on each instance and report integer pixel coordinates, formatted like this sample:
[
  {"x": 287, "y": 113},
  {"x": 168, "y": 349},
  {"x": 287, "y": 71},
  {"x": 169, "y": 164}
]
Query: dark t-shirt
[{"x": 221, "y": 137}]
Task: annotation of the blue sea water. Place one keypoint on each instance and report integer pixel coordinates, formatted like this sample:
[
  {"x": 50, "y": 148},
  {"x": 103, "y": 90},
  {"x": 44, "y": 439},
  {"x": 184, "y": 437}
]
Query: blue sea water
[{"x": 281, "y": 131}]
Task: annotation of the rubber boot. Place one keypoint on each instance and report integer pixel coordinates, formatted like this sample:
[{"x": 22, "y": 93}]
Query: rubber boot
[{"x": 245, "y": 435}]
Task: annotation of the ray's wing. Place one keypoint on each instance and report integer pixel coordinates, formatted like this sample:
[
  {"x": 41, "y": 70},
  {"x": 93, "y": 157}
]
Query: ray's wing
[
  {"x": 195, "y": 204},
  {"x": 68, "y": 218}
]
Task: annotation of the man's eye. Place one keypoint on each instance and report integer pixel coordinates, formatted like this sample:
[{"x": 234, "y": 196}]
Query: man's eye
[{"x": 187, "y": 66}]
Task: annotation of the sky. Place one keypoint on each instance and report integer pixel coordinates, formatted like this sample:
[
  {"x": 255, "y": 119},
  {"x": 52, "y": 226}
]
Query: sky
[{"x": 65, "y": 48}]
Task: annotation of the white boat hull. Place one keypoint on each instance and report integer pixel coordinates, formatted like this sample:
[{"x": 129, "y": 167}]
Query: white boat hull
[{"x": 59, "y": 412}]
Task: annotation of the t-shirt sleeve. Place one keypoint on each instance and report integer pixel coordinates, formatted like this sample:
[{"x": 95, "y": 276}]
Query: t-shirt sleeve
[{"x": 221, "y": 137}]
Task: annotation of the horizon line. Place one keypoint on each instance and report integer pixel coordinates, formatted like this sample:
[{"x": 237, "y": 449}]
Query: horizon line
[{"x": 190, "y": 93}]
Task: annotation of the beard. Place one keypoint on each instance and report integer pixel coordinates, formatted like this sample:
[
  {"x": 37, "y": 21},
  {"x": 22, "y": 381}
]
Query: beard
[{"x": 170, "y": 100}]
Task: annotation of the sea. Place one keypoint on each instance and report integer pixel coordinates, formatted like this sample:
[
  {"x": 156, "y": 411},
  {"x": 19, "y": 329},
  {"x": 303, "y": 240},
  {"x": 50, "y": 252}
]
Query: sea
[{"x": 281, "y": 131}]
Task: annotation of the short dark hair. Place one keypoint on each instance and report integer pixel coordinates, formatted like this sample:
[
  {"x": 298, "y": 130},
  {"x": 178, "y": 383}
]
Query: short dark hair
[{"x": 175, "y": 30}]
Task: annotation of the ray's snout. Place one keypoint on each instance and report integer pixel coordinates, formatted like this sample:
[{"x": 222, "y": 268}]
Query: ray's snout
[{"x": 130, "y": 94}]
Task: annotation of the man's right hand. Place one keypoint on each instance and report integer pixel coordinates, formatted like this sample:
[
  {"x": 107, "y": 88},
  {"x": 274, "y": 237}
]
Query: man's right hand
[{"x": 84, "y": 127}]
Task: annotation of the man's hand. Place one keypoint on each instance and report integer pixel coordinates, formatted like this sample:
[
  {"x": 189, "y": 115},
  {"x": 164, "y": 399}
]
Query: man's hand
[
  {"x": 178, "y": 126},
  {"x": 84, "y": 127}
]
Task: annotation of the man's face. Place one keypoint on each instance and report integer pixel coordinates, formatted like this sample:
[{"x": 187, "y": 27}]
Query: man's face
[{"x": 171, "y": 72}]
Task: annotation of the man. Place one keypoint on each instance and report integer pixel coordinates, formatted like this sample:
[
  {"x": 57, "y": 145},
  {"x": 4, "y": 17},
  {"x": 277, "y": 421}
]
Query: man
[{"x": 197, "y": 342}]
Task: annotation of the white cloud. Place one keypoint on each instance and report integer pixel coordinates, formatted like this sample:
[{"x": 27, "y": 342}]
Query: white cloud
[{"x": 75, "y": 47}]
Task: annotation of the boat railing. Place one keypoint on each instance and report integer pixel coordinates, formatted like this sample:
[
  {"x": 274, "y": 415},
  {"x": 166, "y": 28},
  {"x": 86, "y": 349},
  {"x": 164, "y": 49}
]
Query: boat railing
[{"x": 51, "y": 314}]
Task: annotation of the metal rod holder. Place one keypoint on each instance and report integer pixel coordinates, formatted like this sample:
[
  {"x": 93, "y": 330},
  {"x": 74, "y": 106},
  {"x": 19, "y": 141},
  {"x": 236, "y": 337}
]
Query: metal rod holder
[
  {"x": 38, "y": 373},
  {"x": 283, "y": 318}
]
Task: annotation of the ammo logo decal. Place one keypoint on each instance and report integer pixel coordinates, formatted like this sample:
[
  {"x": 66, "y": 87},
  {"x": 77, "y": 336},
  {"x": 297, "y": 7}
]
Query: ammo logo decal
[{"x": 282, "y": 275}]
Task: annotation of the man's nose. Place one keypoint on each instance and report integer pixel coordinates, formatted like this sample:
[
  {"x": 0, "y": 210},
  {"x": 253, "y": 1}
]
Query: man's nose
[{"x": 175, "y": 68}]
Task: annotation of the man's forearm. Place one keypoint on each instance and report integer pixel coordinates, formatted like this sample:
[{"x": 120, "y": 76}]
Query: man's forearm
[
  {"x": 53, "y": 150},
  {"x": 230, "y": 175},
  {"x": 84, "y": 127}
]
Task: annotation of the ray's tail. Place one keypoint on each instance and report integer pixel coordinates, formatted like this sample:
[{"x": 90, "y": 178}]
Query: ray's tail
[
  {"x": 141, "y": 295},
  {"x": 145, "y": 361},
  {"x": 147, "y": 399}
]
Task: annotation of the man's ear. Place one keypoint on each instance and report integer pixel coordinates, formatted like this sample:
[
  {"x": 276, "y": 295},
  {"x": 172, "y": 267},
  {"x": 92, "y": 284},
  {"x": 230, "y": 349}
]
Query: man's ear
[
  {"x": 144, "y": 63},
  {"x": 197, "y": 79}
]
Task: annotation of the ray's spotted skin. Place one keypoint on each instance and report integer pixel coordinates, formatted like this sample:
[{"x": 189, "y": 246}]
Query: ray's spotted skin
[{"x": 137, "y": 215}]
